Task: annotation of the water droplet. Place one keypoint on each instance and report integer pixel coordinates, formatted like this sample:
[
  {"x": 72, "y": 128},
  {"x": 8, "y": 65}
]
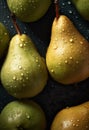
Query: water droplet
[
  {"x": 52, "y": 70},
  {"x": 63, "y": 4},
  {"x": 4, "y": 21},
  {"x": 71, "y": 58},
  {"x": 63, "y": 30},
  {"x": 87, "y": 127},
  {"x": 59, "y": 63},
  {"x": 8, "y": 16},
  {"x": 24, "y": 44},
  {"x": 71, "y": 40},
  {"x": 55, "y": 47},
  {"x": 70, "y": 11},
  {"x": 66, "y": 61},
  {"x": 37, "y": 60},
  {"x": 69, "y": 2},
  {"x": 14, "y": 77},
  {"x": 77, "y": 125},
  {"x": 12, "y": 26},
  {"x": 27, "y": 116},
  {"x": 71, "y": 120},
  {"x": 62, "y": 52},
  {"x": 21, "y": 45},
  {"x": 20, "y": 67},
  {"x": 81, "y": 42},
  {"x": 5, "y": 33},
  {"x": 77, "y": 62},
  {"x": 74, "y": 124},
  {"x": 56, "y": 38},
  {"x": 22, "y": 74},
  {"x": 27, "y": 78}
]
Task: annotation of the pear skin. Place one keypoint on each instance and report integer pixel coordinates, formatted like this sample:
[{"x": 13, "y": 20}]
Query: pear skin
[
  {"x": 29, "y": 10},
  {"x": 67, "y": 56},
  {"x": 4, "y": 39},
  {"x": 22, "y": 115},
  {"x": 82, "y": 7},
  {"x": 24, "y": 72},
  {"x": 72, "y": 118}
]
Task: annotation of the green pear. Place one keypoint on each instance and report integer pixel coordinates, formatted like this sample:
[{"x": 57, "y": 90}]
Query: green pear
[
  {"x": 72, "y": 118},
  {"x": 82, "y": 7},
  {"x": 4, "y": 39},
  {"x": 67, "y": 56},
  {"x": 29, "y": 10},
  {"x": 24, "y": 72},
  {"x": 22, "y": 115}
]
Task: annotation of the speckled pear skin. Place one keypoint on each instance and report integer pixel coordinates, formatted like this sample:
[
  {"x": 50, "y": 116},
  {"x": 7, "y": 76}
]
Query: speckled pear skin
[
  {"x": 29, "y": 10},
  {"x": 72, "y": 118},
  {"x": 4, "y": 39},
  {"x": 82, "y": 7},
  {"x": 24, "y": 72},
  {"x": 67, "y": 56}
]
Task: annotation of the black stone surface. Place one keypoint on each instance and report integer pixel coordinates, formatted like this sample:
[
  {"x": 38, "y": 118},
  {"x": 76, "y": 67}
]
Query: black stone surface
[{"x": 55, "y": 96}]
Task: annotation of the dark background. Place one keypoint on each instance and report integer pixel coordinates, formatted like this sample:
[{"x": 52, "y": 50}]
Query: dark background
[{"x": 55, "y": 96}]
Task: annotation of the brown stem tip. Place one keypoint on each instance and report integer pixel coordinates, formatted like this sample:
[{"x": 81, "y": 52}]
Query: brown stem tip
[
  {"x": 15, "y": 24},
  {"x": 56, "y": 8}
]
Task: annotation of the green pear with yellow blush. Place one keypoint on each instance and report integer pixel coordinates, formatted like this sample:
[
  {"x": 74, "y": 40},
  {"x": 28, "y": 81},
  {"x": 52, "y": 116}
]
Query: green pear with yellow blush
[
  {"x": 67, "y": 55},
  {"x": 24, "y": 73}
]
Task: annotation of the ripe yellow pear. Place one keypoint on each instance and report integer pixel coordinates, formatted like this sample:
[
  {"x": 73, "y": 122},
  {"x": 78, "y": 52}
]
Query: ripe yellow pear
[
  {"x": 72, "y": 118},
  {"x": 67, "y": 56}
]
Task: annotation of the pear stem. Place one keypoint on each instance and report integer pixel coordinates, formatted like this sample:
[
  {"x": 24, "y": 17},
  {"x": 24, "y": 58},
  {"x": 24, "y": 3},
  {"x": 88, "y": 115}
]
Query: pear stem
[
  {"x": 56, "y": 8},
  {"x": 15, "y": 24}
]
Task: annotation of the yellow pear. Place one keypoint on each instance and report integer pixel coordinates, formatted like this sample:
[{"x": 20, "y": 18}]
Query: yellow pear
[
  {"x": 67, "y": 56},
  {"x": 73, "y": 118}
]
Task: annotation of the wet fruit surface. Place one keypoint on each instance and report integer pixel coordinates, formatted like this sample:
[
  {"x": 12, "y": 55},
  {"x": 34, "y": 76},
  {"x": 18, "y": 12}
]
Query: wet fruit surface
[
  {"x": 22, "y": 115},
  {"x": 55, "y": 95}
]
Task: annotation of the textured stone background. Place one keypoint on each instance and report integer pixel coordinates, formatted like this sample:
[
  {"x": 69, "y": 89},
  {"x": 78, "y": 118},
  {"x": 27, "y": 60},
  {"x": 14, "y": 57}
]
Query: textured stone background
[{"x": 55, "y": 96}]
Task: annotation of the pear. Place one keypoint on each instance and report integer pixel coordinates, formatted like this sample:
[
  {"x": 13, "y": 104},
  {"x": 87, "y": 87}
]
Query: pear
[
  {"x": 82, "y": 7},
  {"x": 24, "y": 72},
  {"x": 22, "y": 115},
  {"x": 67, "y": 56},
  {"x": 4, "y": 39},
  {"x": 72, "y": 118},
  {"x": 29, "y": 10}
]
